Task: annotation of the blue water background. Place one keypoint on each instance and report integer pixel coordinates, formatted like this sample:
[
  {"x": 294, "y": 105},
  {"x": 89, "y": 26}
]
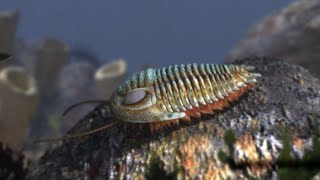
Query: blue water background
[{"x": 150, "y": 32}]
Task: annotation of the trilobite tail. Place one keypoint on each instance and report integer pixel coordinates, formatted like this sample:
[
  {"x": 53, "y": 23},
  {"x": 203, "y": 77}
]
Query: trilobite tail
[
  {"x": 248, "y": 80},
  {"x": 247, "y": 84}
]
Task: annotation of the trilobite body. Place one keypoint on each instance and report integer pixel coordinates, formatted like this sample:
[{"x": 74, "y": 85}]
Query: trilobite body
[{"x": 178, "y": 92}]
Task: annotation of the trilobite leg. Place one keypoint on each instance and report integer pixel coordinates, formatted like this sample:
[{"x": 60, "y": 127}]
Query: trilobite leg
[{"x": 206, "y": 109}]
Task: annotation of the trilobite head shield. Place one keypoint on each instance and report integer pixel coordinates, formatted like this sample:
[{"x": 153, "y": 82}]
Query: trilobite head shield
[{"x": 135, "y": 100}]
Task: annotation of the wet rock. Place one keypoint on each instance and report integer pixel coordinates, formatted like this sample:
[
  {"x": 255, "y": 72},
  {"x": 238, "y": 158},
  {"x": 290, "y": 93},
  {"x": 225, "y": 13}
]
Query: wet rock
[
  {"x": 13, "y": 164},
  {"x": 124, "y": 151},
  {"x": 291, "y": 33}
]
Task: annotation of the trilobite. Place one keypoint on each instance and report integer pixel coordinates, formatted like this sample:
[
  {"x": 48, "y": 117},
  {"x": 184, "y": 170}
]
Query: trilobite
[
  {"x": 180, "y": 91},
  {"x": 170, "y": 94}
]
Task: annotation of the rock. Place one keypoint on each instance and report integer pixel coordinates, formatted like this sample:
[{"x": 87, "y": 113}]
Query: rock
[
  {"x": 18, "y": 103},
  {"x": 109, "y": 76},
  {"x": 291, "y": 33},
  {"x": 286, "y": 96},
  {"x": 8, "y": 26},
  {"x": 13, "y": 164}
]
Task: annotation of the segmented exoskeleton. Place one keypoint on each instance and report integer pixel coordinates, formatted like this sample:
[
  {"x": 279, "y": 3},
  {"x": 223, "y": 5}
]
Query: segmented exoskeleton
[{"x": 167, "y": 95}]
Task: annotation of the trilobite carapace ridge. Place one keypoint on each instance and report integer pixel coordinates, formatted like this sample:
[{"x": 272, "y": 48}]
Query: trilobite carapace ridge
[{"x": 167, "y": 95}]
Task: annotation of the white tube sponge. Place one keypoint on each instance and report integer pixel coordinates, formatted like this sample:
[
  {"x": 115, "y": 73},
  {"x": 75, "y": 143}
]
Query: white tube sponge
[
  {"x": 18, "y": 103},
  {"x": 109, "y": 76}
]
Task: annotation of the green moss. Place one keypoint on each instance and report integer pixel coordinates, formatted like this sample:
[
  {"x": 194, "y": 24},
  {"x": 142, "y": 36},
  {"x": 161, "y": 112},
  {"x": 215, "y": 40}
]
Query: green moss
[
  {"x": 286, "y": 142},
  {"x": 304, "y": 168},
  {"x": 229, "y": 139},
  {"x": 315, "y": 154},
  {"x": 223, "y": 157},
  {"x": 284, "y": 156},
  {"x": 54, "y": 122}
]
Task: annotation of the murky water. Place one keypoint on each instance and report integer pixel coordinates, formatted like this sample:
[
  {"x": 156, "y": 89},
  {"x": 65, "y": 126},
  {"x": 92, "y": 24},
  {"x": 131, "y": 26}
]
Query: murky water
[{"x": 144, "y": 32}]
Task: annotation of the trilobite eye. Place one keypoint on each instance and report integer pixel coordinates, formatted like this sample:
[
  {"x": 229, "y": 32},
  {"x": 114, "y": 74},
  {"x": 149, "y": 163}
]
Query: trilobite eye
[{"x": 134, "y": 97}]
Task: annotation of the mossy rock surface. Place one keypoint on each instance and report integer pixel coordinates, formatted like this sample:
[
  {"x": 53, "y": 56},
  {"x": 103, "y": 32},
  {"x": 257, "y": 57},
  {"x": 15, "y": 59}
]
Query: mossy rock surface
[{"x": 285, "y": 97}]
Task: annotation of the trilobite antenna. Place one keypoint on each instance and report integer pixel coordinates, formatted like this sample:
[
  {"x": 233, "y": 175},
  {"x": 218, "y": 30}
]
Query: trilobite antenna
[
  {"x": 76, "y": 135},
  {"x": 81, "y": 103}
]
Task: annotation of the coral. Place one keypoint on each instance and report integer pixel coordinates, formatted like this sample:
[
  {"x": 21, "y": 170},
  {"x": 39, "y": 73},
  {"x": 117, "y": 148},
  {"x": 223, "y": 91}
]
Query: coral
[
  {"x": 109, "y": 76},
  {"x": 18, "y": 101}
]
